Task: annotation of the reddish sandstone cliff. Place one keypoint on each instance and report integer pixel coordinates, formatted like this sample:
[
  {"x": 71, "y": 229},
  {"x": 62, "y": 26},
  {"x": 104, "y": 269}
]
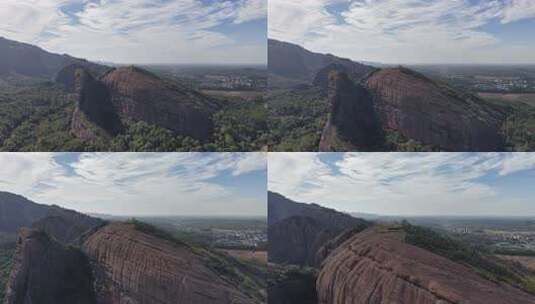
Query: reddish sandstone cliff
[
  {"x": 140, "y": 95},
  {"x": 376, "y": 266},
  {"x": 138, "y": 268},
  {"x": 434, "y": 114},
  {"x": 44, "y": 271}
]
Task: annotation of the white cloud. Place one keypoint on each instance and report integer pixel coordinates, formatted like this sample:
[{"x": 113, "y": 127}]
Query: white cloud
[
  {"x": 397, "y": 183},
  {"x": 135, "y": 183},
  {"x": 134, "y": 31},
  {"x": 416, "y": 31}
]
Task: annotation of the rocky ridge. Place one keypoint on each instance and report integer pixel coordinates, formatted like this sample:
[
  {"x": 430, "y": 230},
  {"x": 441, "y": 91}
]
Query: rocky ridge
[
  {"x": 136, "y": 267},
  {"x": 377, "y": 266}
]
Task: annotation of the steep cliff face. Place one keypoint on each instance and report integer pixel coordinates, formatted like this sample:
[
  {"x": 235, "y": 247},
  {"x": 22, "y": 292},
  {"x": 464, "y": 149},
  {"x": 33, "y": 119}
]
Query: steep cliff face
[
  {"x": 45, "y": 271},
  {"x": 93, "y": 107},
  {"x": 296, "y": 240},
  {"x": 376, "y": 266},
  {"x": 353, "y": 124},
  {"x": 135, "y": 267},
  {"x": 434, "y": 114},
  {"x": 297, "y": 231},
  {"x": 140, "y": 95}
]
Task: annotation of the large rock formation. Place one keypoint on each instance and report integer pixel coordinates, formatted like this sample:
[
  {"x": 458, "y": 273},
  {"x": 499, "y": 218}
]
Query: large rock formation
[
  {"x": 413, "y": 105},
  {"x": 135, "y": 94},
  {"x": 136, "y": 267},
  {"x": 44, "y": 271},
  {"x": 140, "y": 95},
  {"x": 28, "y": 60},
  {"x": 353, "y": 124},
  {"x": 435, "y": 114},
  {"x": 376, "y": 266},
  {"x": 297, "y": 231},
  {"x": 292, "y": 61}
]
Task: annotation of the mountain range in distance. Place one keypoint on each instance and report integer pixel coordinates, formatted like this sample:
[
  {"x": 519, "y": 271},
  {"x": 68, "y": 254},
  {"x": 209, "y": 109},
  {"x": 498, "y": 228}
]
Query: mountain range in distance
[
  {"x": 325, "y": 103},
  {"x": 367, "y": 261},
  {"x": 65, "y": 257},
  {"x": 52, "y": 102}
]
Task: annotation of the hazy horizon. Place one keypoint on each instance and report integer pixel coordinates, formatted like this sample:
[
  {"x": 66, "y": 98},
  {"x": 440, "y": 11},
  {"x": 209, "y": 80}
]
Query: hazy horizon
[
  {"x": 409, "y": 184},
  {"x": 141, "y": 184},
  {"x": 143, "y": 31},
  {"x": 410, "y": 32}
]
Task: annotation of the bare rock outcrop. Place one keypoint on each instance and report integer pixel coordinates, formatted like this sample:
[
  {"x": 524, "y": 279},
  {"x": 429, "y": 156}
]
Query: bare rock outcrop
[
  {"x": 376, "y": 266},
  {"x": 353, "y": 123},
  {"x": 434, "y": 114},
  {"x": 140, "y": 95},
  {"x": 138, "y": 268},
  {"x": 44, "y": 271},
  {"x": 298, "y": 230},
  {"x": 94, "y": 113},
  {"x": 296, "y": 240}
]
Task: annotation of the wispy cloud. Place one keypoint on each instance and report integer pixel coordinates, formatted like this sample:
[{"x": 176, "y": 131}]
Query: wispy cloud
[
  {"x": 137, "y": 183},
  {"x": 401, "y": 183},
  {"x": 404, "y": 31},
  {"x": 137, "y": 31}
]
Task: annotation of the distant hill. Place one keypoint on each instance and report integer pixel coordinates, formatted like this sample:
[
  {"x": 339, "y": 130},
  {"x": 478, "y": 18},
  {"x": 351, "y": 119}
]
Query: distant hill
[
  {"x": 24, "y": 59},
  {"x": 17, "y": 212},
  {"x": 297, "y": 230},
  {"x": 295, "y": 62}
]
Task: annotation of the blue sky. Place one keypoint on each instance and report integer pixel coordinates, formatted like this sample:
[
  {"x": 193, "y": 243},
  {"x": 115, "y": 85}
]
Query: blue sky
[
  {"x": 460, "y": 184},
  {"x": 142, "y": 31},
  {"x": 208, "y": 184},
  {"x": 410, "y": 31}
]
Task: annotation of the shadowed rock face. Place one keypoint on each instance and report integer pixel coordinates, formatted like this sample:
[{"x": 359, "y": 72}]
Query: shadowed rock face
[
  {"x": 295, "y": 240},
  {"x": 378, "y": 267},
  {"x": 93, "y": 106},
  {"x": 135, "y": 94},
  {"x": 353, "y": 123},
  {"x": 297, "y": 231},
  {"x": 432, "y": 114},
  {"x": 44, "y": 271},
  {"x": 135, "y": 267}
]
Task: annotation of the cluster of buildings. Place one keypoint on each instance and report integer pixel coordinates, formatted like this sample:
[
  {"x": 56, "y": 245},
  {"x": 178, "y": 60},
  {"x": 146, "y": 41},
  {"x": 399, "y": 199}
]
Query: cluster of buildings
[
  {"x": 229, "y": 82},
  {"x": 238, "y": 239}
]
